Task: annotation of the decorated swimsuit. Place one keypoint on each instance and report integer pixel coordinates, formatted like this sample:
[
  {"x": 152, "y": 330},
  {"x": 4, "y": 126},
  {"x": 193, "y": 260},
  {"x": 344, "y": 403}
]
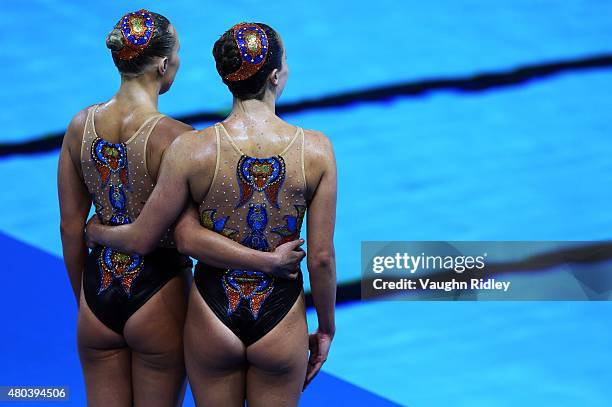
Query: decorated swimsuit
[
  {"x": 258, "y": 202},
  {"x": 117, "y": 284}
]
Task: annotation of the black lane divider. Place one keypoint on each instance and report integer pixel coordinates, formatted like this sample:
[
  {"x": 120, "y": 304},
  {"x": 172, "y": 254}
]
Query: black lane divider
[
  {"x": 475, "y": 83},
  {"x": 345, "y": 292}
]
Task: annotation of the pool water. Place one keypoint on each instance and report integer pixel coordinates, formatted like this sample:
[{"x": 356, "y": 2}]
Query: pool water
[{"x": 521, "y": 162}]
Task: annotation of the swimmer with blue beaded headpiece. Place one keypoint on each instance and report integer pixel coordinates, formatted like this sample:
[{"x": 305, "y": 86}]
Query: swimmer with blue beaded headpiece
[{"x": 252, "y": 42}]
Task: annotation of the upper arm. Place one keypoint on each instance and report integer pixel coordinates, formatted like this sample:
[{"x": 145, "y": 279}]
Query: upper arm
[
  {"x": 171, "y": 190},
  {"x": 321, "y": 177},
  {"x": 74, "y": 198},
  {"x": 166, "y": 131},
  {"x": 198, "y": 184}
]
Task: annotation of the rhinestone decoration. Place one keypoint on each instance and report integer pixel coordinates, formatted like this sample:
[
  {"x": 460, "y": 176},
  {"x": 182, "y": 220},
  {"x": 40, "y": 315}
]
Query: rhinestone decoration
[
  {"x": 111, "y": 159},
  {"x": 261, "y": 174},
  {"x": 291, "y": 230}
]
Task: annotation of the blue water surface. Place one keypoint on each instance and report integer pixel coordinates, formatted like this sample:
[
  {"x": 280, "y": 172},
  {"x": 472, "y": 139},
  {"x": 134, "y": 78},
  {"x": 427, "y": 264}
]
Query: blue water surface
[{"x": 522, "y": 162}]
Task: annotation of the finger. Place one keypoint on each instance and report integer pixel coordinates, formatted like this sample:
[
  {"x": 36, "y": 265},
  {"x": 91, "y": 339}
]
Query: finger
[
  {"x": 317, "y": 365},
  {"x": 292, "y": 245},
  {"x": 313, "y": 340},
  {"x": 309, "y": 376},
  {"x": 306, "y": 381},
  {"x": 312, "y": 360},
  {"x": 322, "y": 353},
  {"x": 287, "y": 274},
  {"x": 297, "y": 257},
  {"x": 313, "y": 372},
  {"x": 316, "y": 360},
  {"x": 312, "y": 348}
]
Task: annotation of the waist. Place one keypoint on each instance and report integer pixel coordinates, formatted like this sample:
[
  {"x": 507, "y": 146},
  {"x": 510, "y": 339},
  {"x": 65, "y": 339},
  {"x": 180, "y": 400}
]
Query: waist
[
  {"x": 115, "y": 219},
  {"x": 207, "y": 272},
  {"x": 161, "y": 256}
]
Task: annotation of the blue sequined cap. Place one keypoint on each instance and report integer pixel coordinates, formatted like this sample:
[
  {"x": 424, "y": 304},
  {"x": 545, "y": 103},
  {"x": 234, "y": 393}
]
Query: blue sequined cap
[
  {"x": 137, "y": 29},
  {"x": 252, "y": 42}
]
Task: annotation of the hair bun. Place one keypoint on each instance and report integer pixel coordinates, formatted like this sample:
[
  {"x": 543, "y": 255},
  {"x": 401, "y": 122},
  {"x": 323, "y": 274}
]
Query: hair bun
[{"x": 114, "y": 41}]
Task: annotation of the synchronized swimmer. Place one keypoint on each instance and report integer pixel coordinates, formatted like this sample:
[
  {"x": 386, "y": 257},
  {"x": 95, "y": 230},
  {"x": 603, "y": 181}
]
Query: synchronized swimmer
[{"x": 233, "y": 196}]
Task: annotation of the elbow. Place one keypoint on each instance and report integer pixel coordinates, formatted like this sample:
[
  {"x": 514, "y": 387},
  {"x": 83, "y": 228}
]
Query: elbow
[
  {"x": 182, "y": 246},
  {"x": 182, "y": 241},
  {"x": 323, "y": 261},
  {"x": 135, "y": 242},
  {"x": 70, "y": 229},
  {"x": 65, "y": 228},
  {"x": 142, "y": 247}
]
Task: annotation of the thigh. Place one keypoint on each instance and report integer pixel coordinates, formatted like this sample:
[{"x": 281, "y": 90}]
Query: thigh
[
  {"x": 155, "y": 335},
  {"x": 278, "y": 361},
  {"x": 105, "y": 360},
  {"x": 214, "y": 356}
]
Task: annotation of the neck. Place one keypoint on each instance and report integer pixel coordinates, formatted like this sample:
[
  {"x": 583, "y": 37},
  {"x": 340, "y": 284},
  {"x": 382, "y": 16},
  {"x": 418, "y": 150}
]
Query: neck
[
  {"x": 255, "y": 107},
  {"x": 140, "y": 91}
]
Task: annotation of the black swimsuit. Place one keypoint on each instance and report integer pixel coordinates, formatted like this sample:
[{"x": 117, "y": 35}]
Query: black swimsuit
[
  {"x": 260, "y": 203},
  {"x": 113, "y": 295},
  {"x": 246, "y": 304}
]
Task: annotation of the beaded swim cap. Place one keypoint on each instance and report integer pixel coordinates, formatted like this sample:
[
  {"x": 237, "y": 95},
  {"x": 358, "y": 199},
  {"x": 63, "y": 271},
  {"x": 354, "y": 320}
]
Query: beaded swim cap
[
  {"x": 252, "y": 43},
  {"x": 137, "y": 30}
]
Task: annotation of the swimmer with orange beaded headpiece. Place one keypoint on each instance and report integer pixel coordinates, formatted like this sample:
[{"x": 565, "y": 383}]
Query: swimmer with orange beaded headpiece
[
  {"x": 255, "y": 178},
  {"x": 132, "y": 306}
]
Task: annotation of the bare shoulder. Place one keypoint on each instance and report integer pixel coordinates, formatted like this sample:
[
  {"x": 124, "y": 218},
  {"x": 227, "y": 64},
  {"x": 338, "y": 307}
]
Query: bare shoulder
[
  {"x": 167, "y": 130},
  {"x": 77, "y": 124},
  {"x": 80, "y": 117},
  {"x": 318, "y": 160},
  {"x": 317, "y": 145},
  {"x": 195, "y": 152},
  {"x": 196, "y": 144},
  {"x": 74, "y": 133},
  {"x": 172, "y": 128}
]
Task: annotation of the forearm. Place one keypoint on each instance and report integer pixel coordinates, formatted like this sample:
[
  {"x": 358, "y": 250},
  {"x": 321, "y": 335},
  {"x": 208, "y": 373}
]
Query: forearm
[
  {"x": 322, "y": 272},
  {"x": 218, "y": 251},
  {"x": 75, "y": 254},
  {"x": 125, "y": 238}
]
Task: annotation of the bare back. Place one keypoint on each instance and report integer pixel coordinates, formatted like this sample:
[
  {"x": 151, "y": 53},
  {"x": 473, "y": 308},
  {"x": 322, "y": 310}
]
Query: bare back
[
  {"x": 117, "y": 124},
  {"x": 119, "y": 157},
  {"x": 267, "y": 143}
]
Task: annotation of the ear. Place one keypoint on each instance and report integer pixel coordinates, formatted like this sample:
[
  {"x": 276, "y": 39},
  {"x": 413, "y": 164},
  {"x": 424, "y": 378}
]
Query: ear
[
  {"x": 163, "y": 66},
  {"x": 273, "y": 77}
]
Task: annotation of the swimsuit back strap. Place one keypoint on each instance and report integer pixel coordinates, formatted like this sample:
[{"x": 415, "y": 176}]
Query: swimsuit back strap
[
  {"x": 298, "y": 130},
  {"x": 218, "y": 158},
  {"x": 88, "y": 135},
  {"x": 302, "y": 160},
  {"x": 153, "y": 120}
]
